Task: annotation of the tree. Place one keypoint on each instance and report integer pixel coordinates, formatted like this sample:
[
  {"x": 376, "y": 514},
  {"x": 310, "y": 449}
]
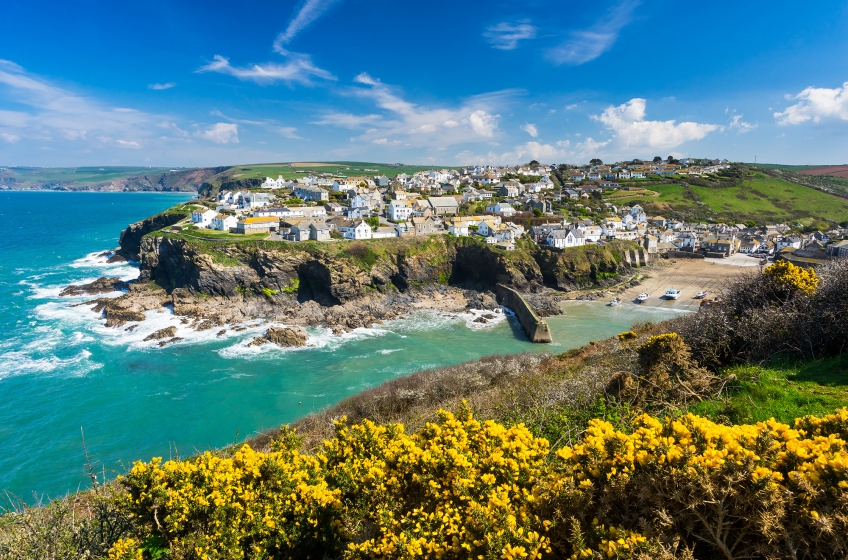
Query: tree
[
  {"x": 595, "y": 161},
  {"x": 537, "y": 212},
  {"x": 373, "y": 221},
  {"x": 670, "y": 159},
  {"x": 657, "y": 159},
  {"x": 534, "y": 162}
]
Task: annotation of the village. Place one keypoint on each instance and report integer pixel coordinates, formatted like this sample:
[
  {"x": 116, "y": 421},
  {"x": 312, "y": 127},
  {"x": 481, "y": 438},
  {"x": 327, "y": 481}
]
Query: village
[{"x": 554, "y": 206}]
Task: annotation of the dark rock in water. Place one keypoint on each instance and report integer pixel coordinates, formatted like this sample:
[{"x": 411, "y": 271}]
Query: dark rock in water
[
  {"x": 102, "y": 285},
  {"x": 206, "y": 325},
  {"x": 131, "y": 328},
  {"x": 117, "y": 317},
  {"x": 222, "y": 332},
  {"x": 480, "y": 320},
  {"x": 488, "y": 316},
  {"x": 287, "y": 336},
  {"x": 167, "y": 332},
  {"x": 169, "y": 341},
  {"x": 116, "y": 258}
]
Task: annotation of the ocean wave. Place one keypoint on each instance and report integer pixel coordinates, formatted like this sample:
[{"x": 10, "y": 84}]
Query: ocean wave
[{"x": 22, "y": 363}]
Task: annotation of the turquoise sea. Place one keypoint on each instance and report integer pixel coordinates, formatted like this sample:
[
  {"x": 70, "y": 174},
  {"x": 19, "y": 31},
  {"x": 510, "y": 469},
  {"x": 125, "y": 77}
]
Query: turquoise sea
[{"x": 61, "y": 369}]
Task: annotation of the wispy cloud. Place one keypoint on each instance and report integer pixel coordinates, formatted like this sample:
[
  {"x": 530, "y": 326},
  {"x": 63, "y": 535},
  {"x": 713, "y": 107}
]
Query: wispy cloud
[
  {"x": 631, "y": 130},
  {"x": 530, "y": 129},
  {"x": 816, "y": 104},
  {"x": 269, "y": 124},
  {"x": 297, "y": 69},
  {"x": 506, "y": 35},
  {"x": 159, "y": 87},
  {"x": 740, "y": 126},
  {"x": 402, "y": 121},
  {"x": 306, "y": 13},
  {"x": 586, "y": 45}
]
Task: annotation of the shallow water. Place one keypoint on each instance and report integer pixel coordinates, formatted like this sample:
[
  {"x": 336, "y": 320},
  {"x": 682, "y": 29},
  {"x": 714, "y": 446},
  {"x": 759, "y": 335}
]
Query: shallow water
[{"x": 61, "y": 369}]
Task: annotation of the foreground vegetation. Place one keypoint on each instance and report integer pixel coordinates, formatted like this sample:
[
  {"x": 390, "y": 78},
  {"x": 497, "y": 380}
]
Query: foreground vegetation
[{"x": 658, "y": 443}]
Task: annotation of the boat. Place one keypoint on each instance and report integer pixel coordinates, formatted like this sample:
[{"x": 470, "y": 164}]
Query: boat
[
  {"x": 701, "y": 295},
  {"x": 615, "y": 301},
  {"x": 642, "y": 298},
  {"x": 671, "y": 293}
]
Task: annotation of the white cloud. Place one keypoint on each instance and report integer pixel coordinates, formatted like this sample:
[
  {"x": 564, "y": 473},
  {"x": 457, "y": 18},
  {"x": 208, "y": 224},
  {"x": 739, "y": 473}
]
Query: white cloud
[
  {"x": 473, "y": 120},
  {"x": 530, "y": 129},
  {"x": 570, "y": 107},
  {"x": 816, "y": 104},
  {"x": 307, "y": 12},
  {"x": 10, "y": 138},
  {"x": 288, "y": 132},
  {"x": 220, "y": 133},
  {"x": 158, "y": 87},
  {"x": 380, "y": 141},
  {"x": 631, "y": 130},
  {"x": 740, "y": 126},
  {"x": 483, "y": 123},
  {"x": 128, "y": 144},
  {"x": 584, "y": 46},
  {"x": 505, "y": 35},
  {"x": 297, "y": 69},
  {"x": 47, "y": 113}
]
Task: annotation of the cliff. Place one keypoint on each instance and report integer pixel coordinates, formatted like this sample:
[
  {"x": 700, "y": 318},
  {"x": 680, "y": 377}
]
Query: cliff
[
  {"x": 130, "y": 240},
  {"x": 337, "y": 273}
]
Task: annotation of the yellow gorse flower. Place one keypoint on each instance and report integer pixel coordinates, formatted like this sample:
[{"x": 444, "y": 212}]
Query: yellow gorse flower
[{"x": 461, "y": 488}]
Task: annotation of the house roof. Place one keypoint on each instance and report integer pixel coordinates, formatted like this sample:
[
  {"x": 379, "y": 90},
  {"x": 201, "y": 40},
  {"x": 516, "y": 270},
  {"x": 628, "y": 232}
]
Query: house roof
[{"x": 262, "y": 220}]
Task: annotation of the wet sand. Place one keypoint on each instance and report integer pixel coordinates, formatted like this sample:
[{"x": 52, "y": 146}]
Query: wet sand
[{"x": 690, "y": 276}]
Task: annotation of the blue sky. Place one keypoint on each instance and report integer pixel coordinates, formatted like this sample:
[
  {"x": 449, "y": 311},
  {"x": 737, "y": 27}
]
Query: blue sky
[{"x": 218, "y": 83}]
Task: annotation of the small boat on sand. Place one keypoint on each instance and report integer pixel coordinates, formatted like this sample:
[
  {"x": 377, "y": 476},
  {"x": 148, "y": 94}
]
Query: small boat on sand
[
  {"x": 615, "y": 301},
  {"x": 701, "y": 295},
  {"x": 671, "y": 293},
  {"x": 642, "y": 298}
]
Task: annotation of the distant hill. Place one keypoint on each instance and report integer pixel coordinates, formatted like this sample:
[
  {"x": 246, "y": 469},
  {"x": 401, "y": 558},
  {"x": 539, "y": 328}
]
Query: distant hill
[
  {"x": 106, "y": 179},
  {"x": 163, "y": 179}
]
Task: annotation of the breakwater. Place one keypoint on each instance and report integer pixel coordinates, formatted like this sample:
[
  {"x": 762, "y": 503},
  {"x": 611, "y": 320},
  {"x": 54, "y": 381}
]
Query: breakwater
[{"x": 536, "y": 328}]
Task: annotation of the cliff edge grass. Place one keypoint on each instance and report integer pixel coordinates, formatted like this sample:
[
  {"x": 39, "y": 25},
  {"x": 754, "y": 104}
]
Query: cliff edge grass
[{"x": 569, "y": 466}]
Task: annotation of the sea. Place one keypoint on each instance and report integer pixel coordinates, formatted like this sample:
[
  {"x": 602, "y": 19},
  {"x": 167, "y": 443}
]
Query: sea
[{"x": 63, "y": 374}]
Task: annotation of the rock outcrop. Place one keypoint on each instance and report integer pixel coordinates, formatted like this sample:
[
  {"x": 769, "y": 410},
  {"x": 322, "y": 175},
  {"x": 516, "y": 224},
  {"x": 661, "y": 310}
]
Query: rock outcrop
[
  {"x": 285, "y": 337},
  {"x": 167, "y": 332},
  {"x": 102, "y": 285}
]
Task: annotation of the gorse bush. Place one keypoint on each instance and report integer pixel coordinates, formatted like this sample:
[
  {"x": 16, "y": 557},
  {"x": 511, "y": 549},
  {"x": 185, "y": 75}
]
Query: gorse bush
[
  {"x": 460, "y": 488},
  {"x": 792, "y": 277}
]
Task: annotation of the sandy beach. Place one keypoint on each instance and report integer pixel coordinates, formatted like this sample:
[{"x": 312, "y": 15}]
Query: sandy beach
[{"x": 690, "y": 276}]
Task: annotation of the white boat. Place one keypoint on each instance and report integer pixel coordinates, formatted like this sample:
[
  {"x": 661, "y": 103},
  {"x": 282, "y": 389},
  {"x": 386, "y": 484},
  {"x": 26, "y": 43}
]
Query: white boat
[
  {"x": 701, "y": 295},
  {"x": 671, "y": 293},
  {"x": 642, "y": 298},
  {"x": 615, "y": 301}
]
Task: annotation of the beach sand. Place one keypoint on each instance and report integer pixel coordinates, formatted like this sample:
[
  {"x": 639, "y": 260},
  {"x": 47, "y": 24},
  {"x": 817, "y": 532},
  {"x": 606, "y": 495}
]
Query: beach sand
[{"x": 690, "y": 276}]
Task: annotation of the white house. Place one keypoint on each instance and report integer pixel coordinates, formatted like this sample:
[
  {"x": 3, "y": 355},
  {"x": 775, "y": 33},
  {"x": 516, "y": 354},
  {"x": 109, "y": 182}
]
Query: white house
[
  {"x": 274, "y": 184},
  {"x": 355, "y": 230},
  {"x": 399, "y": 210},
  {"x": 459, "y": 229},
  {"x": 223, "y": 223},
  {"x": 501, "y": 208},
  {"x": 203, "y": 217},
  {"x": 564, "y": 238},
  {"x": 592, "y": 233}
]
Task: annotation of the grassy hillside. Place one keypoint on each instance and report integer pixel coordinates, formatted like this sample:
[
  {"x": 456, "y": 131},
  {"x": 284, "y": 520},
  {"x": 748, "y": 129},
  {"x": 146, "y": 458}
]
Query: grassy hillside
[
  {"x": 760, "y": 198},
  {"x": 294, "y": 170},
  {"x": 105, "y": 178}
]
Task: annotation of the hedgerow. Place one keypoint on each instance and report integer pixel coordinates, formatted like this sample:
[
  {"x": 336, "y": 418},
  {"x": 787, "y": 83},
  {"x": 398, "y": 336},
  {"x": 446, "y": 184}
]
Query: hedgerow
[{"x": 461, "y": 488}]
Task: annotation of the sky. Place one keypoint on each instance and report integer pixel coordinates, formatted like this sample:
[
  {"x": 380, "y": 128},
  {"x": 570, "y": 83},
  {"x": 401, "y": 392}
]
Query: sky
[{"x": 208, "y": 83}]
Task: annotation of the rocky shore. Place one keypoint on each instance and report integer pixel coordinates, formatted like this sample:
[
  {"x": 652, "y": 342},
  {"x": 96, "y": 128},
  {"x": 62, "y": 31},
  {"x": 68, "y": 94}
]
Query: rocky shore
[{"x": 340, "y": 286}]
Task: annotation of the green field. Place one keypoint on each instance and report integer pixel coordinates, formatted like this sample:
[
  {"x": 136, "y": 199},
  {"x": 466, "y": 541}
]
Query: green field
[
  {"x": 299, "y": 169},
  {"x": 78, "y": 175},
  {"x": 781, "y": 391},
  {"x": 762, "y": 199}
]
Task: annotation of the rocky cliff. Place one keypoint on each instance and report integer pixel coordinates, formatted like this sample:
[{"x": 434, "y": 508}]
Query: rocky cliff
[
  {"x": 130, "y": 240},
  {"x": 338, "y": 273}
]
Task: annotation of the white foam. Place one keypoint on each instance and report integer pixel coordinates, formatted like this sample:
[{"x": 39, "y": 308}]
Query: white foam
[{"x": 20, "y": 363}]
